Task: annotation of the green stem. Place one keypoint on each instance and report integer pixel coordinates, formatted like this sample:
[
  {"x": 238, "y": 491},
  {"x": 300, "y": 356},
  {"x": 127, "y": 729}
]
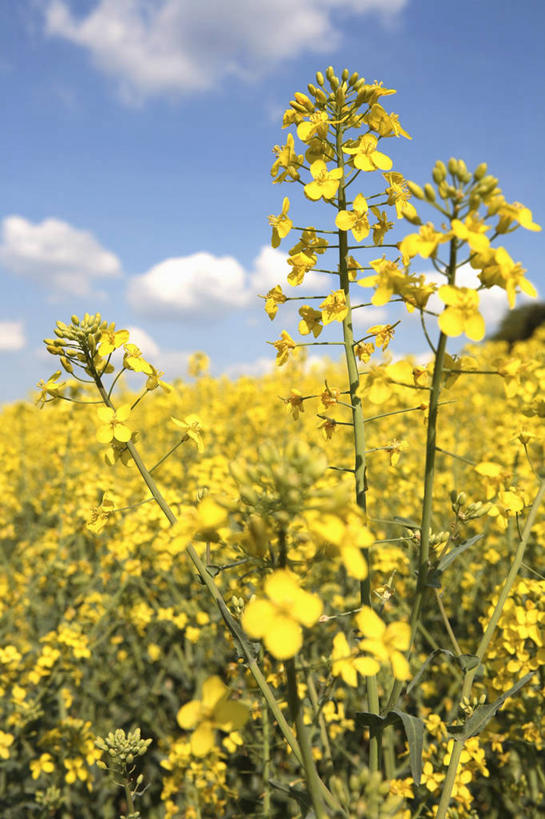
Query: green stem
[
  {"x": 359, "y": 435},
  {"x": 297, "y": 716},
  {"x": 429, "y": 474},
  {"x": 483, "y": 645}
]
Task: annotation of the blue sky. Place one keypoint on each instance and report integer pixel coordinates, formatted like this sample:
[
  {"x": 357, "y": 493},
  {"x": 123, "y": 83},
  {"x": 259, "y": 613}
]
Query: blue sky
[{"x": 137, "y": 146}]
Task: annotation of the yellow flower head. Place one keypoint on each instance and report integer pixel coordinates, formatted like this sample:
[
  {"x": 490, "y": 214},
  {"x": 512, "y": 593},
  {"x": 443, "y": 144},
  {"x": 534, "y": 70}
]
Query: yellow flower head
[
  {"x": 215, "y": 711},
  {"x": 325, "y": 182},
  {"x": 113, "y": 424},
  {"x": 277, "y": 618},
  {"x": 461, "y": 314}
]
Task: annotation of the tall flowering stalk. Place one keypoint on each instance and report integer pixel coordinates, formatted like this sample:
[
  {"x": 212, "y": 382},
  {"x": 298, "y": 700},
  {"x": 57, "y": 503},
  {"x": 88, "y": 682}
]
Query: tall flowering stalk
[{"x": 334, "y": 161}]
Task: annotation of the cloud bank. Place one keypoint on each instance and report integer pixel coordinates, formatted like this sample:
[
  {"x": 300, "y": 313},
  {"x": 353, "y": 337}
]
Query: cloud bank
[
  {"x": 53, "y": 253},
  {"x": 186, "y": 47}
]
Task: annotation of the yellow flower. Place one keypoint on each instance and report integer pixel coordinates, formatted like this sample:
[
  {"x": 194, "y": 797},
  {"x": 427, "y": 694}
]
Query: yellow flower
[
  {"x": 310, "y": 321},
  {"x": 325, "y": 182},
  {"x": 213, "y": 712},
  {"x": 192, "y": 429},
  {"x": 133, "y": 360},
  {"x": 472, "y": 231},
  {"x": 318, "y": 125},
  {"x": 389, "y": 279},
  {"x": 281, "y": 225},
  {"x": 424, "y": 243},
  {"x": 334, "y": 307},
  {"x": 110, "y": 340},
  {"x": 204, "y": 522},
  {"x": 6, "y": 741},
  {"x": 43, "y": 764},
  {"x": 283, "y": 347},
  {"x": 366, "y": 156},
  {"x": 385, "y": 642},
  {"x": 301, "y": 263},
  {"x": 277, "y": 619},
  {"x": 383, "y": 123},
  {"x": 75, "y": 769},
  {"x": 154, "y": 381},
  {"x": 274, "y": 297},
  {"x": 114, "y": 426},
  {"x": 294, "y": 403},
  {"x": 100, "y": 514},
  {"x": 462, "y": 312},
  {"x": 399, "y": 194},
  {"x": 198, "y": 364},
  {"x": 347, "y": 665},
  {"x": 355, "y": 220},
  {"x": 49, "y": 390}
]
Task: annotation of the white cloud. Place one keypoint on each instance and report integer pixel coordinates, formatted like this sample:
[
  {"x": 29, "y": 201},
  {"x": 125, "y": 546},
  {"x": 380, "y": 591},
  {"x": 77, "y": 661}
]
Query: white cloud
[
  {"x": 192, "y": 286},
  {"x": 149, "y": 348},
  {"x": 12, "y": 335},
  {"x": 202, "y": 285},
  {"x": 55, "y": 254},
  {"x": 182, "y": 46},
  {"x": 253, "y": 369}
]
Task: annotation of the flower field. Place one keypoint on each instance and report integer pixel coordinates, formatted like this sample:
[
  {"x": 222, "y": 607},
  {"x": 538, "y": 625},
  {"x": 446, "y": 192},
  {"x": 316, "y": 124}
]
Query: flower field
[{"x": 320, "y": 592}]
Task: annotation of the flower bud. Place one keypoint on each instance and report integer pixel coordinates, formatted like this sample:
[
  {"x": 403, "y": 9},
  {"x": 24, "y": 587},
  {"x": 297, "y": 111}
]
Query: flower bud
[
  {"x": 303, "y": 100},
  {"x": 329, "y": 72},
  {"x": 298, "y": 107},
  {"x": 340, "y": 96},
  {"x": 441, "y": 169},
  {"x": 429, "y": 192},
  {"x": 461, "y": 169},
  {"x": 480, "y": 171},
  {"x": 353, "y": 79},
  {"x": 415, "y": 189},
  {"x": 345, "y": 74},
  {"x": 321, "y": 97},
  {"x": 75, "y": 320},
  {"x": 320, "y": 78},
  {"x": 66, "y": 364},
  {"x": 53, "y": 350},
  {"x": 452, "y": 166},
  {"x": 442, "y": 190},
  {"x": 474, "y": 201}
]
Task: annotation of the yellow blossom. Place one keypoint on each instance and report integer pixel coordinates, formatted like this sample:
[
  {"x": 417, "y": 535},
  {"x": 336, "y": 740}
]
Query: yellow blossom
[
  {"x": 215, "y": 711},
  {"x": 274, "y": 297},
  {"x": 334, "y": 307},
  {"x": 281, "y": 225},
  {"x": 355, "y": 220},
  {"x": 191, "y": 426},
  {"x": 44, "y": 764},
  {"x": 385, "y": 642},
  {"x": 134, "y": 360},
  {"x": 348, "y": 665},
  {"x": 472, "y": 230},
  {"x": 6, "y": 741},
  {"x": 114, "y": 426},
  {"x": 399, "y": 195},
  {"x": 277, "y": 618},
  {"x": 325, "y": 182},
  {"x": 462, "y": 312},
  {"x": 283, "y": 346},
  {"x": 424, "y": 243},
  {"x": 366, "y": 156},
  {"x": 110, "y": 340},
  {"x": 310, "y": 321}
]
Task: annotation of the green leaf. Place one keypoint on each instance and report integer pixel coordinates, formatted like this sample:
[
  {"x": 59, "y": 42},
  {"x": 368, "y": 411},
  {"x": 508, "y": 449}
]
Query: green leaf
[
  {"x": 447, "y": 559},
  {"x": 484, "y": 713},
  {"x": 412, "y": 726}
]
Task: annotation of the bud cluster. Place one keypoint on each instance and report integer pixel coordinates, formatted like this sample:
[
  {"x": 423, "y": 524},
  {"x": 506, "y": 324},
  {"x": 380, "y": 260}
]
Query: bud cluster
[
  {"x": 122, "y": 749},
  {"x": 471, "y": 511},
  {"x": 278, "y": 485},
  {"x": 371, "y": 796},
  {"x": 76, "y": 344},
  {"x": 455, "y": 182}
]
